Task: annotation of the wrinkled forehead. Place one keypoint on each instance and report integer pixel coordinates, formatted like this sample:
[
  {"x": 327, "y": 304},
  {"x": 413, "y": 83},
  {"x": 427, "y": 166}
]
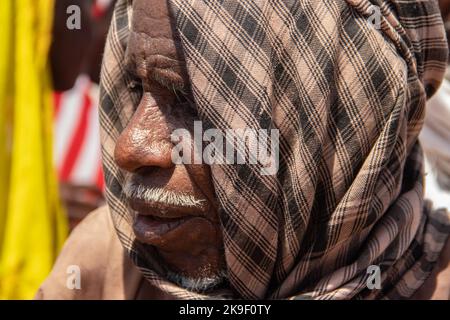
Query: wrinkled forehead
[{"x": 153, "y": 31}]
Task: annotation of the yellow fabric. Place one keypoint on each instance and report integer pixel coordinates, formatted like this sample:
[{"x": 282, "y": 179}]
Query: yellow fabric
[{"x": 32, "y": 225}]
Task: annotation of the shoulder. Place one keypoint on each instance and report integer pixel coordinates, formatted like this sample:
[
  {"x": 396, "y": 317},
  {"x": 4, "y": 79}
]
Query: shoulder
[{"x": 83, "y": 260}]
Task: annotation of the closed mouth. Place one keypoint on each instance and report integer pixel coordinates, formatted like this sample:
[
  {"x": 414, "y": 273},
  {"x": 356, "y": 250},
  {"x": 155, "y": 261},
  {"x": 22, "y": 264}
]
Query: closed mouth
[
  {"x": 159, "y": 213},
  {"x": 152, "y": 229},
  {"x": 164, "y": 211},
  {"x": 154, "y": 221}
]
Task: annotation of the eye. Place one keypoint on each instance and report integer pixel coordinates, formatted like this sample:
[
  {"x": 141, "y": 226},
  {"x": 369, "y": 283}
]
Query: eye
[
  {"x": 135, "y": 87},
  {"x": 180, "y": 96},
  {"x": 184, "y": 100}
]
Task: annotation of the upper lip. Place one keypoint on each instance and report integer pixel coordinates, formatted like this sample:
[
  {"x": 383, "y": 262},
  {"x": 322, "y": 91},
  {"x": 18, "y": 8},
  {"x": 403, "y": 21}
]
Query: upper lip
[{"x": 161, "y": 210}]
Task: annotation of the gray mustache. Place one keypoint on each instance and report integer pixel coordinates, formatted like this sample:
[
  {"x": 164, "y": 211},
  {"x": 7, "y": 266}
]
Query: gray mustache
[{"x": 159, "y": 195}]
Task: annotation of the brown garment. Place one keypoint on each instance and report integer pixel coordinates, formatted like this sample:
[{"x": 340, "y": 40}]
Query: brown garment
[
  {"x": 105, "y": 269},
  {"x": 107, "y": 273}
]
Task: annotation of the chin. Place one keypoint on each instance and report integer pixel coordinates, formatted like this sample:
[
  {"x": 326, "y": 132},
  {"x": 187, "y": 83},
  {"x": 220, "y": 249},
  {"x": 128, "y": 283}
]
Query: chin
[{"x": 199, "y": 284}]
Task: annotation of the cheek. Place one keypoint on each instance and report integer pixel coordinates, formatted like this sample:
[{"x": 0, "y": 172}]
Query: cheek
[
  {"x": 204, "y": 187},
  {"x": 181, "y": 117},
  {"x": 157, "y": 112}
]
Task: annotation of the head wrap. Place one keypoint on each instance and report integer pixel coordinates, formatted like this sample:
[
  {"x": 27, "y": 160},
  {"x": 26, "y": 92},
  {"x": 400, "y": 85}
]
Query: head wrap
[{"x": 348, "y": 97}]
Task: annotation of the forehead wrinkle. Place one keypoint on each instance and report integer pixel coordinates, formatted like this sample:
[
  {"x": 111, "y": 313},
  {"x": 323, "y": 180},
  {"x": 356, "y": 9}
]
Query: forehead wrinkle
[
  {"x": 153, "y": 16},
  {"x": 154, "y": 46},
  {"x": 149, "y": 63}
]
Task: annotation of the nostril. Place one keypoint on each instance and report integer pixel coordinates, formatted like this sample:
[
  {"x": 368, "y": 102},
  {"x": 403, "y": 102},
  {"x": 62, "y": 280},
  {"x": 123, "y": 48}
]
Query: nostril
[
  {"x": 145, "y": 141},
  {"x": 131, "y": 155}
]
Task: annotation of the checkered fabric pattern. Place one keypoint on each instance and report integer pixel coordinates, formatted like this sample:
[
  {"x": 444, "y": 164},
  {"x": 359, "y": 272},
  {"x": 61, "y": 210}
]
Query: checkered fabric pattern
[{"x": 348, "y": 99}]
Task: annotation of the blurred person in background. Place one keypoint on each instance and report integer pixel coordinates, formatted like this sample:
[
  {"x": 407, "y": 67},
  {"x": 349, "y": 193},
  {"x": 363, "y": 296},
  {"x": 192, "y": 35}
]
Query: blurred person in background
[
  {"x": 38, "y": 55},
  {"x": 435, "y": 135},
  {"x": 76, "y": 60},
  {"x": 33, "y": 226}
]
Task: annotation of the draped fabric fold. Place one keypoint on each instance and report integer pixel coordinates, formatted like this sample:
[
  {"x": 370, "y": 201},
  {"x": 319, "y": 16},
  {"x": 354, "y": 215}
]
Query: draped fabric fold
[{"x": 348, "y": 98}]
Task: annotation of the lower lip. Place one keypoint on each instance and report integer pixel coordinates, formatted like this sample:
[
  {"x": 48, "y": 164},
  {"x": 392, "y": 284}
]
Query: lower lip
[{"x": 146, "y": 227}]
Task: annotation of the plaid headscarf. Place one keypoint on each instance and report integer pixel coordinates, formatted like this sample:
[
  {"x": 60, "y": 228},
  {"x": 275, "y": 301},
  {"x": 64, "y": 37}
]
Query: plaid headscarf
[{"x": 349, "y": 101}]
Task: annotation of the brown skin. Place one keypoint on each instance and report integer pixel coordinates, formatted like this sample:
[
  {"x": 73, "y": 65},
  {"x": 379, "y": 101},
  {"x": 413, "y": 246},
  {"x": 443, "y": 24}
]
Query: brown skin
[
  {"x": 83, "y": 48},
  {"x": 143, "y": 150},
  {"x": 444, "y": 5},
  {"x": 100, "y": 27},
  {"x": 69, "y": 45}
]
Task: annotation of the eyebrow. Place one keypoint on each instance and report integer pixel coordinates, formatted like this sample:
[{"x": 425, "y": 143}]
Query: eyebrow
[
  {"x": 165, "y": 81},
  {"x": 162, "y": 80}
]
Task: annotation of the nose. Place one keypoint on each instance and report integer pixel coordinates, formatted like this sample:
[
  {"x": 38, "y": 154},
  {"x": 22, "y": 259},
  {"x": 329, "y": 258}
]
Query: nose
[{"x": 145, "y": 142}]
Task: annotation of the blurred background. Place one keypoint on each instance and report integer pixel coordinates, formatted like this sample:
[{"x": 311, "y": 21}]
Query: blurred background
[{"x": 50, "y": 163}]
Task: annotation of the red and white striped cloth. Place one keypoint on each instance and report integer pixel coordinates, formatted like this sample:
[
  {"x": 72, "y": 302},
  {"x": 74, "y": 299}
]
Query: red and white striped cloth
[
  {"x": 100, "y": 7},
  {"x": 77, "y": 142}
]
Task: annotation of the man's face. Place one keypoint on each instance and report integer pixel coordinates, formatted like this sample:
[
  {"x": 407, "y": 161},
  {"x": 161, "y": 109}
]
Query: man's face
[{"x": 173, "y": 206}]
